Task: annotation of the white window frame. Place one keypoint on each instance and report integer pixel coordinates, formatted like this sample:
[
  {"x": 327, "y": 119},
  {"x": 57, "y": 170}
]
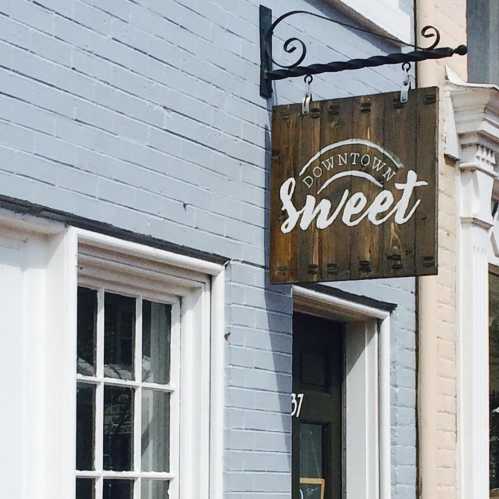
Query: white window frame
[
  {"x": 100, "y": 381},
  {"x": 367, "y": 465},
  {"x": 131, "y": 268},
  {"x": 47, "y": 360}
]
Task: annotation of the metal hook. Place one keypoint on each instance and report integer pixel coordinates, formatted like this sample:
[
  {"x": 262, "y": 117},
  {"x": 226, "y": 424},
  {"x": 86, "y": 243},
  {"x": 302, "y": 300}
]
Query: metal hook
[
  {"x": 406, "y": 84},
  {"x": 307, "y": 99}
]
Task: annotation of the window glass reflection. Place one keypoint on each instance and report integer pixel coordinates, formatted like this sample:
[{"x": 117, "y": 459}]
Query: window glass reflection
[
  {"x": 119, "y": 332},
  {"x": 310, "y": 450},
  {"x": 155, "y": 431},
  {"x": 118, "y": 489},
  {"x": 85, "y": 410},
  {"x": 85, "y": 488},
  {"x": 86, "y": 330},
  {"x": 118, "y": 428},
  {"x": 154, "y": 489},
  {"x": 156, "y": 329}
]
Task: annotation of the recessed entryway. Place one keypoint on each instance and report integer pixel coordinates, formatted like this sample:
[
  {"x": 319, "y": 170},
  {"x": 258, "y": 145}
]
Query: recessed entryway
[
  {"x": 318, "y": 366},
  {"x": 341, "y": 395}
]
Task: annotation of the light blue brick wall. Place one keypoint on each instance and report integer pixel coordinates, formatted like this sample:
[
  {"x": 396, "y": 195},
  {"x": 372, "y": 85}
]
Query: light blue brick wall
[{"x": 146, "y": 114}]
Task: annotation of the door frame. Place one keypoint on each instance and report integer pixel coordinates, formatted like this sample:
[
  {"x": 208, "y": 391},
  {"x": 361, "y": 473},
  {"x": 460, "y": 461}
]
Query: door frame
[{"x": 367, "y": 438}]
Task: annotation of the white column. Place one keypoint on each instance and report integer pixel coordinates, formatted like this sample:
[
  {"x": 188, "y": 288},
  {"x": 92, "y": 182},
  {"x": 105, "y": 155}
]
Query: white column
[{"x": 476, "y": 184}]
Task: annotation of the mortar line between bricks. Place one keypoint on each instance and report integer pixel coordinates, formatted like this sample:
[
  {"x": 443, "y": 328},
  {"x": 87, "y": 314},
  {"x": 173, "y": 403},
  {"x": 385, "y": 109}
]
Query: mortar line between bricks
[
  {"x": 100, "y": 153},
  {"x": 151, "y": 125},
  {"x": 265, "y": 430},
  {"x": 205, "y": 17},
  {"x": 255, "y": 308},
  {"x": 250, "y": 410},
  {"x": 259, "y": 390},
  {"x": 96, "y": 7},
  {"x": 237, "y": 367},
  {"x": 255, "y": 451},
  {"x": 256, "y": 349},
  {"x": 252, "y": 328},
  {"x": 127, "y": 68},
  {"x": 24, "y": 175},
  {"x": 114, "y": 203},
  {"x": 158, "y": 172},
  {"x": 171, "y": 21}
]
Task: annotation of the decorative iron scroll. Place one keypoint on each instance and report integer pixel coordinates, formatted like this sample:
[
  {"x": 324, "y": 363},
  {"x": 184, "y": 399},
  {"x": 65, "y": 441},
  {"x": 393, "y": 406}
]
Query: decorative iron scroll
[{"x": 293, "y": 44}]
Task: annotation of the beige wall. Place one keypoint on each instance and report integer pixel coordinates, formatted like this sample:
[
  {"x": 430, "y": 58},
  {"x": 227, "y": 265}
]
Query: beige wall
[{"x": 438, "y": 324}]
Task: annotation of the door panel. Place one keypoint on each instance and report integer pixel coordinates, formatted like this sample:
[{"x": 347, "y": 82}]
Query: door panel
[{"x": 318, "y": 366}]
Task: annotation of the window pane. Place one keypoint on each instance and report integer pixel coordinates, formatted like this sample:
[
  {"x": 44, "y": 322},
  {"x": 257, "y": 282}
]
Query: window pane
[
  {"x": 118, "y": 428},
  {"x": 85, "y": 488},
  {"x": 119, "y": 331},
  {"x": 154, "y": 489},
  {"x": 118, "y": 489},
  {"x": 87, "y": 328},
  {"x": 155, "y": 431},
  {"x": 310, "y": 450},
  {"x": 156, "y": 329},
  {"x": 85, "y": 411}
]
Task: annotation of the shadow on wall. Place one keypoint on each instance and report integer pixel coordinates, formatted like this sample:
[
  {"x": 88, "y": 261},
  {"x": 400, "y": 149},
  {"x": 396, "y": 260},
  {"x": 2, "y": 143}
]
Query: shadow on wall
[{"x": 278, "y": 298}]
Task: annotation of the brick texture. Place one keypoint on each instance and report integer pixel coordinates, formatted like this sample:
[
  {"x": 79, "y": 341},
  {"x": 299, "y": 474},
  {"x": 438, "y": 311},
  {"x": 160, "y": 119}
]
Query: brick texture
[
  {"x": 146, "y": 114},
  {"x": 450, "y": 17}
]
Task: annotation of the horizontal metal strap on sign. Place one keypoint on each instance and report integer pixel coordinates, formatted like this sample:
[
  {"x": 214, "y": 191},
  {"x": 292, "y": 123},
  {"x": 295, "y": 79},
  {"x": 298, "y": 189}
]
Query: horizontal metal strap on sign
[
  {"x": 298, "y": 48},
  {"x": 335, "y": 67}
]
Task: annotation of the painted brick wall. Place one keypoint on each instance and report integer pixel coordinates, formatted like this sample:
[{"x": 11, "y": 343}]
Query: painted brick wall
[
  {"x": 450, "y": 17},
  {"x": 146, "y": 114}
]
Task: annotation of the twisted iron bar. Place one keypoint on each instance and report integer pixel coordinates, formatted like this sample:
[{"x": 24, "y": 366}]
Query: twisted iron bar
[{"x": 335, "y": 67}]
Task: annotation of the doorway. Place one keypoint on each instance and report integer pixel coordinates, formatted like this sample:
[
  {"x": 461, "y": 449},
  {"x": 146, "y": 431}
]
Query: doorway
[{"x": 317, "y": 407}]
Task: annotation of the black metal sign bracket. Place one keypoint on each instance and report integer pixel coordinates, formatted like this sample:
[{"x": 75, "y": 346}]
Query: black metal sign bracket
[{"x": 268, "y": 74}]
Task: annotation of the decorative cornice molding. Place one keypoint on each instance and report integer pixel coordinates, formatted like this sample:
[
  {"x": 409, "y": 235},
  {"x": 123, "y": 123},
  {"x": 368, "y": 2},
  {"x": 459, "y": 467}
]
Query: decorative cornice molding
[
  {"x": 472, "y": 167},
  {"x": 475, "y": 127},
  {"x": 476, "y": 111}
]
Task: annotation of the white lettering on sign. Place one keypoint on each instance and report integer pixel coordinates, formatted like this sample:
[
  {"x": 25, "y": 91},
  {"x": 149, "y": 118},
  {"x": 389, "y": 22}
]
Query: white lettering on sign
[{"x": 353, "y": 206}]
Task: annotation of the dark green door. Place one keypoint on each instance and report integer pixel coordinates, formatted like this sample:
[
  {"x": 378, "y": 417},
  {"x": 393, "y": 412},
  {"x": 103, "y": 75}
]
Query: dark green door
[{"x": 318, "y": 361}]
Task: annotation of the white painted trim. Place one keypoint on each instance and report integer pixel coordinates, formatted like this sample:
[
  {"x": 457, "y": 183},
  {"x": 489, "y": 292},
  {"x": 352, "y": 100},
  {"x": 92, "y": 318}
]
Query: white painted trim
[
  {"x": 217, "y": 385},
  {"x": 149, "y": 253},
  {"x": 362, "y": 318},
  {"x": 385, "y": 450},
  {"x": 362, "y": 411},
  {"x": 348, "y": 309}
]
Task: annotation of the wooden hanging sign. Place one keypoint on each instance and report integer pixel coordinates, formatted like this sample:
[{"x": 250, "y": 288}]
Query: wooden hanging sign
[{"x": 354, "y": 188}]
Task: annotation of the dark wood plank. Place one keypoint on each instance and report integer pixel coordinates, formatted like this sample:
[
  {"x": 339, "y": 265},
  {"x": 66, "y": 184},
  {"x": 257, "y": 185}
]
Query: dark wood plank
[
  {"x": 308, "y": 241},
  {"x": 400, "y": 140},
  {"x": 336, "y": 241},
  {"x": 285, "y": 129},
  {"x": 368, "y": 123},
  {"x": 427, "y": 157}
]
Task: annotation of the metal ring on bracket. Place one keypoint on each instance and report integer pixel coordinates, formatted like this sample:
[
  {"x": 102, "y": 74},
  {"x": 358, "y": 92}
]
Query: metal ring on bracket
[
  {"x": 307, "y": 99},
  {"x": 406, "y": 84}
]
